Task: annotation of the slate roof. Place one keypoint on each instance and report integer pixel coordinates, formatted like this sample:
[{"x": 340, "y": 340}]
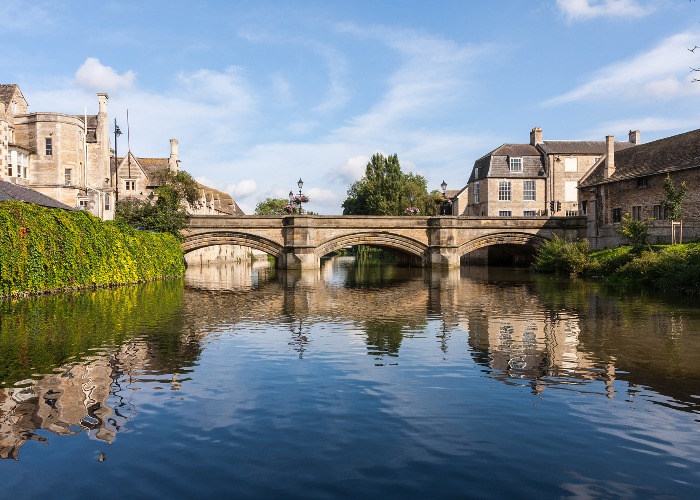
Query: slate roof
[
  {"x": 15, "y": 192},
  {"x": 496, "y": 163},
  {"x": 7, "y": 90},
  {"x": 579, "y": 147},
  {"x": 673, "y": 153}
]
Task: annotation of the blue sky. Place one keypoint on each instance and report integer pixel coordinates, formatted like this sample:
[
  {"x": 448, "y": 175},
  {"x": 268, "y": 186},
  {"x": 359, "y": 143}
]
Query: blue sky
[{"x": 260, "y": 93}]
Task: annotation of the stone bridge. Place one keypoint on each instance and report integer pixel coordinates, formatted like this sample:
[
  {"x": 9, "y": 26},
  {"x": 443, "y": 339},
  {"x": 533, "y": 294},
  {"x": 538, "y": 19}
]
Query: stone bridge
[{"x": 299, "y": 241}]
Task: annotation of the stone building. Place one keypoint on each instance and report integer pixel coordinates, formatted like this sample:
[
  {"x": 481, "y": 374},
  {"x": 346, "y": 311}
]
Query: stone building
[
  {"x": 137, "y": 178},
  {"x": 65, "y": 157},
  {"x": 535, "y": 179},
  {"x": 632, "y": 182}
]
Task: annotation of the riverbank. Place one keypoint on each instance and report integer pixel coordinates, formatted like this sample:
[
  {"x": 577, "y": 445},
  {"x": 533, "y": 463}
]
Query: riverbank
[
  {"x": 674, "y": 268},
  {"x": 44, "y": 250}
]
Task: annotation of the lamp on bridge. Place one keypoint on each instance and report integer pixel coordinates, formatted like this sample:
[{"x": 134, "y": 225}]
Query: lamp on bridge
[
  {"x": 117, "y": 133},
  {"x": 445, "y": 206},
  {"x": 300, "y": 184}
]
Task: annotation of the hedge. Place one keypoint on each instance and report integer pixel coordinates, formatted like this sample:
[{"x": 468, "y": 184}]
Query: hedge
[{"x": 46, "y": 249}]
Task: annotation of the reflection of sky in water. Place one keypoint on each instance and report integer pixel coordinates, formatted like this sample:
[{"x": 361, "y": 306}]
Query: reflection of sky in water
[{"x": 402, "y": 383}]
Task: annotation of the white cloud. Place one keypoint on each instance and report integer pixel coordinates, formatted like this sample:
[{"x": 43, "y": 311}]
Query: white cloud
[
  {"x": 93, "y": 75},
  {"x": 649, "y": 124},
  {"x": 350, "y": 171},
  {"x": 661, "y": 73},
  {"x": 589, "y": 9}
]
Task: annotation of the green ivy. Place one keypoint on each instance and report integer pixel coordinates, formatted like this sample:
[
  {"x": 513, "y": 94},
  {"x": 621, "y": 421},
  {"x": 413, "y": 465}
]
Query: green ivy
[{"x": 44, "y": 249}]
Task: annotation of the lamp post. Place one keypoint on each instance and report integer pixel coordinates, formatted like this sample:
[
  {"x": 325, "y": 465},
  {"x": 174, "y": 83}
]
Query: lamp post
[
  {"x": 291, "y": 200},
  {"x": 300, "y": 184},
  {"x": 117, "y": 133},
  {"x": 443, "y": 207}
]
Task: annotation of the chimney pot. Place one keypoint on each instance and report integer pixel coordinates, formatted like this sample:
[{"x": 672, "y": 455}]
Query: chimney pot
[
  {"x": 609, "y": 156},
  {"x": 635, "y": 137},
  {"x": 535, "y": 136}
]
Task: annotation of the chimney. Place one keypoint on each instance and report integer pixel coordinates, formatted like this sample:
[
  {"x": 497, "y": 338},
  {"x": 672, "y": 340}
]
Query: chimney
[
  {"x": 635, "y": 137},
  {"x": 102, "y": 102},
  {"x": 174, "y": 160},
  {"x": 609, "y": 156},
  {"x": 535, "y": 136}
]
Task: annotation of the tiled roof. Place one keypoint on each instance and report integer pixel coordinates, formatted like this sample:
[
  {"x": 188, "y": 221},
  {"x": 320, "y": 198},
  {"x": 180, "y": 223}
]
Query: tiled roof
[
  {"x": 677, "y": 152},
  {"x": 496, "y": 163},
  {"x": 579, "y": 147},
  {"x": 10, "y": 191},
  {"x": 226, "y": 205},
  {"x": 7, "y": 90}
]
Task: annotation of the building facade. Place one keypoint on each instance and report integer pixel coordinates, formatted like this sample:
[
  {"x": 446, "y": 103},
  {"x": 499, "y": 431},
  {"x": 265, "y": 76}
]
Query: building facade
[
  {"x": 535, "y": 179},
  {"x": 632, "y": 182},
  {"x": 65, "y": 157}
]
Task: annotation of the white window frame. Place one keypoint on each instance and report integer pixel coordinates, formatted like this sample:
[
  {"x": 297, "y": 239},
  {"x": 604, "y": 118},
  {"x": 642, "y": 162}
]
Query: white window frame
[
  {"x": 129, "y": 184},
  {"x": 571, "y": 164},
  {"x": 529, "y": 191},
  {"x": 529, "y": 213},
  {"x": 515, "y": 164},
  {"x": 476, "y": 192},
  {"x": 505, "y": 213},
  {"x": 48, "y": 144},
  {"x": 504, "y": 191},
  {"x": 68, "y": 177}
]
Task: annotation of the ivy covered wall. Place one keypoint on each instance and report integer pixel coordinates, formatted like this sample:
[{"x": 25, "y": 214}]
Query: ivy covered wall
[{"x": 44, "y": 249}]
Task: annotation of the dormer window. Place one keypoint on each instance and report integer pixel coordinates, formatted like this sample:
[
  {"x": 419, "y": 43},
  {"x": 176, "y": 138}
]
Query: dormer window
[{"x": 516, "y": 164}]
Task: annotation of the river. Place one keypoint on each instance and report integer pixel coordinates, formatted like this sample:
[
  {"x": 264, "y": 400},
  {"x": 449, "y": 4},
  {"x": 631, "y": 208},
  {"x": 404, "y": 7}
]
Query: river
[{"x": 353, "y": 381}]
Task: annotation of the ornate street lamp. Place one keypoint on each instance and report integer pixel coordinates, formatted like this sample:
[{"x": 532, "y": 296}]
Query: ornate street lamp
[
  {"x": 444, "y": 187},
  {"x": 300, "y": 183}
]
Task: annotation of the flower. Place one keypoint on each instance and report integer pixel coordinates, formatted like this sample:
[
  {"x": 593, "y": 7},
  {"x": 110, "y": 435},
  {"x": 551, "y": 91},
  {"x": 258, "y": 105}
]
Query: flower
[{"x": 412, "y": 211}]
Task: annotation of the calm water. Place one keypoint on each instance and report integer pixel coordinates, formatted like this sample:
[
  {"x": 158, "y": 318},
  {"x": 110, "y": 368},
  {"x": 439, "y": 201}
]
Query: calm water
[{"x": 351, "y": 382}]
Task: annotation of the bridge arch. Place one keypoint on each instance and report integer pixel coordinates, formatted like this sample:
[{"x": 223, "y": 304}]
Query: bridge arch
[
  {"x": 502, "y": 238},
  {"x": 398, "y": 242},
  {"x": 200, "y": 240}
]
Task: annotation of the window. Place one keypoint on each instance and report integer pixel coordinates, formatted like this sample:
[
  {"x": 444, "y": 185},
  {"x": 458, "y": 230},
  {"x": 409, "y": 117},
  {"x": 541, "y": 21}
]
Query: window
[
  {"x": 67, "y": 173},
  {"x": 637, "y": 212},
  {"x": 643, "y": 182},
  {"x": 583, "y": 209},
  {"x": 529, "y": 190},
  {"x": 529, "y": 213},
  {"x": 130, "y": 185},
  {"x": 476, "y": 172},
  {"x": 107, "y": 201},
  {"x": 516, "y": 164},
  {"x": 11, "y": 162},
  {"x": 570, "y": 164},
  {"x": 476, "y": 192},
  {"x": 570, "y": 190},
  {"x": 503, "y": 190},
  {"x": 82, "y": 203},
  {"x": 49, "y": 146},
  {"x": 617, "y": 215},
  {"x": 505, "y": 213},
  {"x": 660, "y": 212}
]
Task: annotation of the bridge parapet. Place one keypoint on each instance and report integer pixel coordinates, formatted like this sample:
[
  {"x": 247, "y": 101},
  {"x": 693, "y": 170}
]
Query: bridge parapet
[{"x": 299, "y": 241}]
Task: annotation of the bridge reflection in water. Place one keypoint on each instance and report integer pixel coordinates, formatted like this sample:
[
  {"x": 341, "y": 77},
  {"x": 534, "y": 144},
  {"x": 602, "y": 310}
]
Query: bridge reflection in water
[{"x": 520, "y": 330}]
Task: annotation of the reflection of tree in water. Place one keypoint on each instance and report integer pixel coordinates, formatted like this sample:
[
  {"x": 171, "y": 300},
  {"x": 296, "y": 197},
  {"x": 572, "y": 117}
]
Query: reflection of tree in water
[
  {"x": 384, "y": 337},
  {"x": 94, "y": 348}
]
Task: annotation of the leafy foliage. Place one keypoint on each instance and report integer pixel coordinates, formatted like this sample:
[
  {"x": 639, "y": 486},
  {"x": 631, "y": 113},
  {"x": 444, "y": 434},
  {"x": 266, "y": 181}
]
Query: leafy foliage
[
  {"x": 386, "y": 190},
  {"x": 562, "y": 256},
  {"x": 272, "y": 206},
  {"x": 674, "y": 198},
  {"x": 45, "y": 249},
  {"x": 635, "y": 231}
]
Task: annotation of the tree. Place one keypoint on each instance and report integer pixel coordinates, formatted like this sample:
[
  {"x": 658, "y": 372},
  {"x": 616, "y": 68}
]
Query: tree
[
  {"x": 386, "y": 190},
  {"x": 636, "y": 232},
  {"x": 674, "y": 198},
  {"x": 168, "y": 214},
  {"x": 272, "y": 206}
]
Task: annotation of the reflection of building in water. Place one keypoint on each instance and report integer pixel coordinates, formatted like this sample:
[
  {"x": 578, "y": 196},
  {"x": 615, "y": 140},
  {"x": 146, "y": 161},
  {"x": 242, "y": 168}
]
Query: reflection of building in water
[
  {"x": 81, "y": 397},
  {"x": 522, "y": 340},
  {"x": 227, "y": 276}
]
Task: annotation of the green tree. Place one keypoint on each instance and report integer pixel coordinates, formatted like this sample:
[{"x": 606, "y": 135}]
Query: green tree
[
  {"x": 386, "y": 190},
  {"x": 272, "y": 206},
  {"x": 674, "y": 198},
  {"x": 636, "y": 232},
  {"x": 168, "y": 214}
]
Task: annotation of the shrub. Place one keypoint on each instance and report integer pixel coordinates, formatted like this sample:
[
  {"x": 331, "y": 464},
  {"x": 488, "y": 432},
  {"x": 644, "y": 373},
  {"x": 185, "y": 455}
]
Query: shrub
[
  {"x": 636, "y": 232},
  {"x": 562, "y": 256}
]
